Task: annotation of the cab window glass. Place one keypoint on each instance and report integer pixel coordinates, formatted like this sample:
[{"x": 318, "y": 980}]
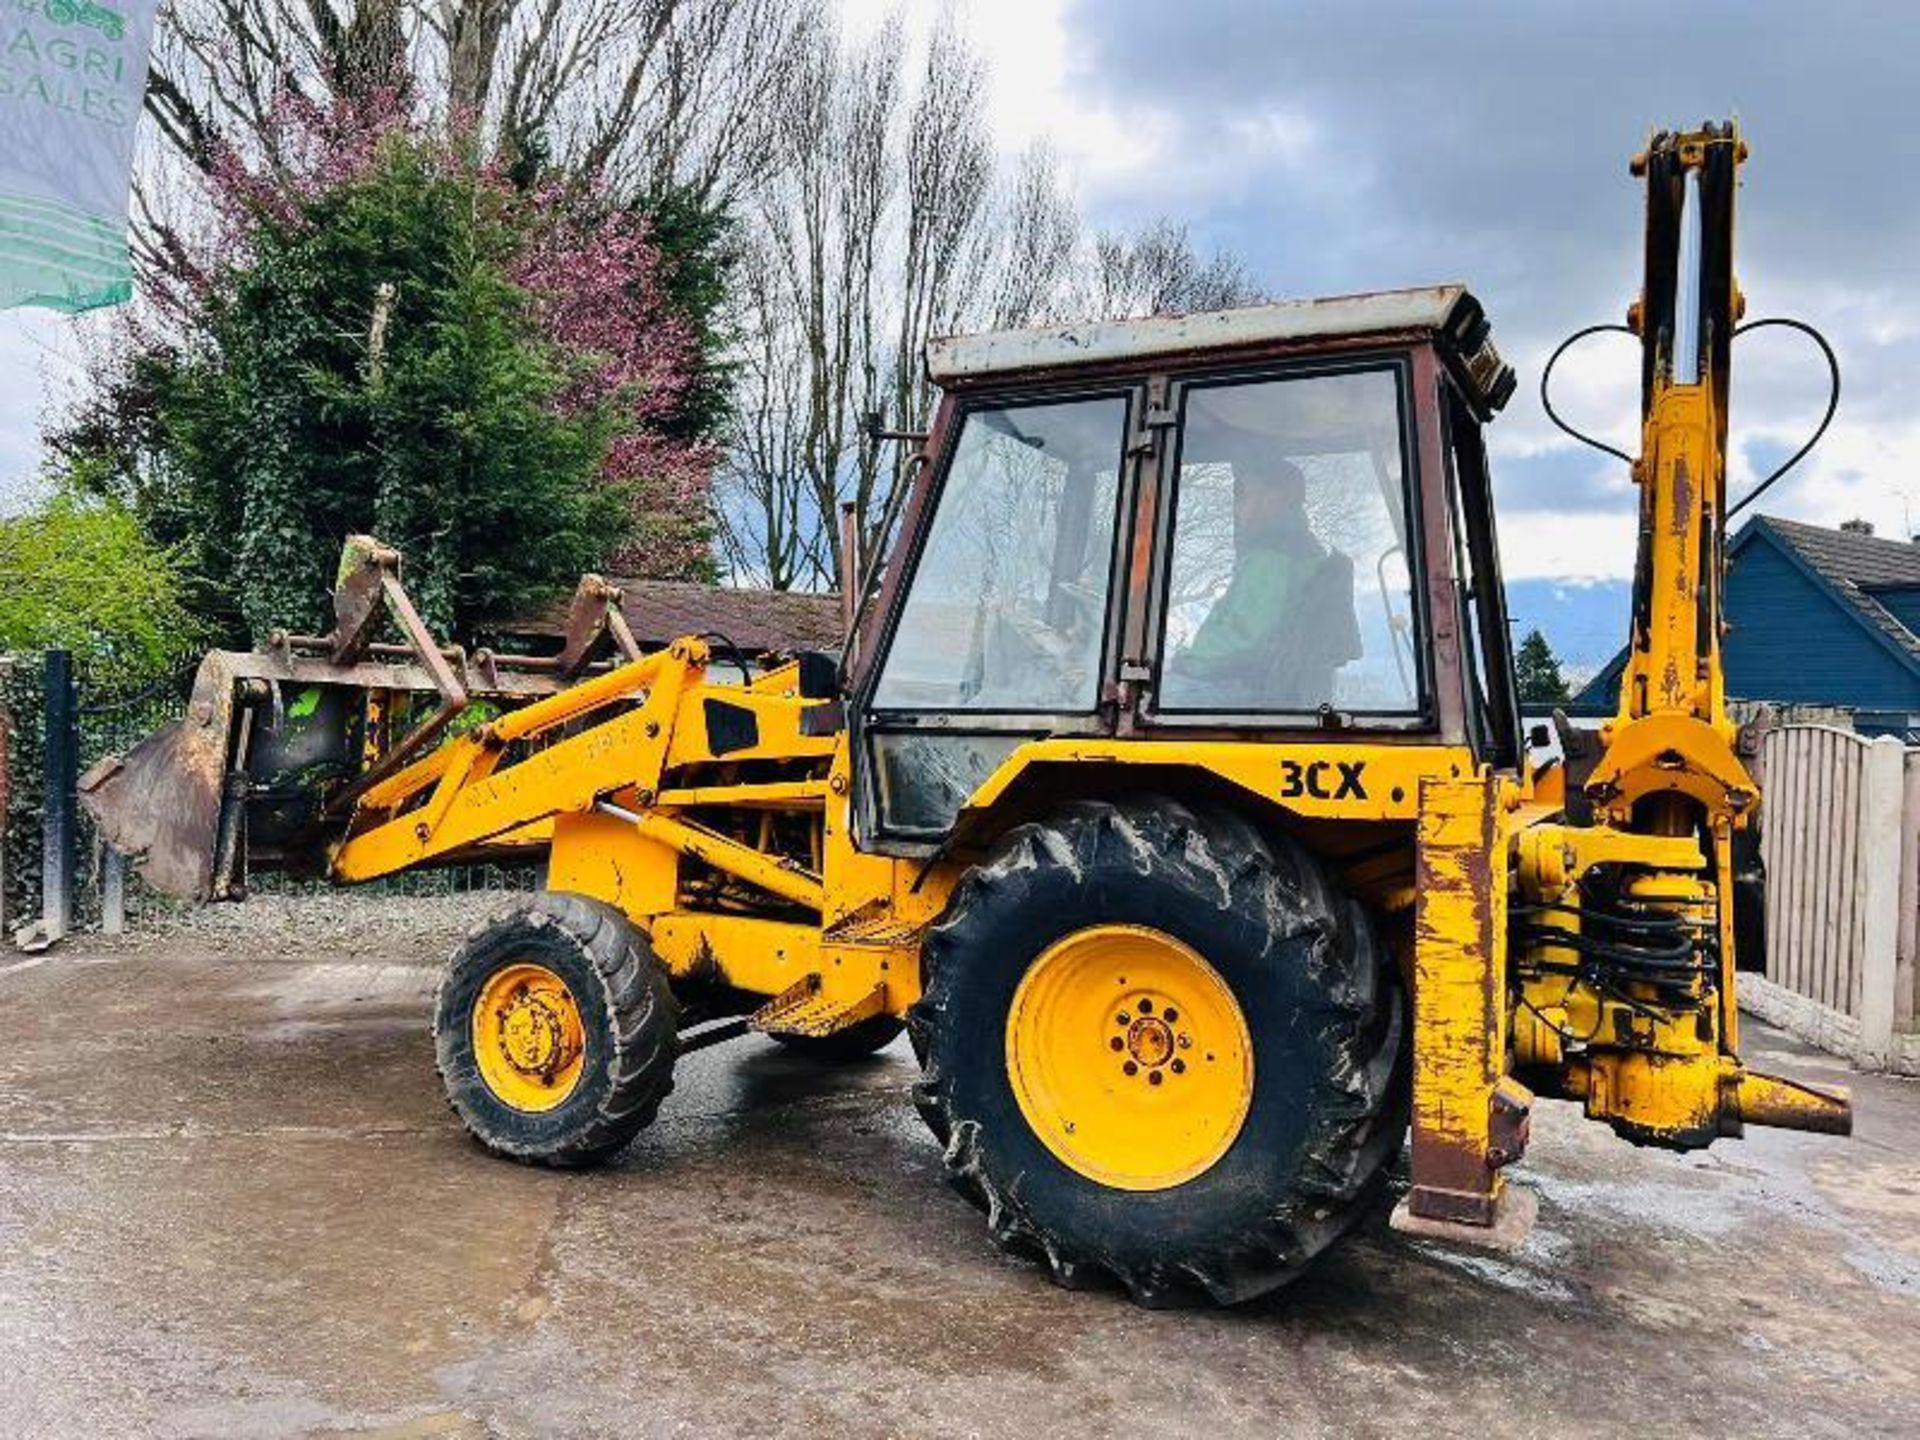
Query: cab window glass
[
  {"x": 1288, "y": 587},
  {"x": 1007, "y": 606}
]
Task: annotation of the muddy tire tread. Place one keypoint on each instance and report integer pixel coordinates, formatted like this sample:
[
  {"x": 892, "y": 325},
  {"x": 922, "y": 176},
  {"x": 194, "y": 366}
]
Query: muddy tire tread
[
  {"x": 1360, "y": 1103},
  {"x": 638, "y": 1016}
]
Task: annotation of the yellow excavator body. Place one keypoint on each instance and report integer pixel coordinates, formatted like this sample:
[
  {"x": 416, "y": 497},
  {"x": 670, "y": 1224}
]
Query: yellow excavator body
[{"x": 1187, "y": 944}]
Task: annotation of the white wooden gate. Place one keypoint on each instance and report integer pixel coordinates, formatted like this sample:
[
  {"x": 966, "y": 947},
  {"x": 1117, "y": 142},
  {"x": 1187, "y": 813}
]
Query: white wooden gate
[{"x": 1841, "y": 846}]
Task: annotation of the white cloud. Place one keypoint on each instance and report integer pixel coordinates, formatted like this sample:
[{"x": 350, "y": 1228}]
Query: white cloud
[
  {"x": 1035, "y": 95},
  {"x": 1288, "y": 135},
  {"x": 1540, "y": 545}
]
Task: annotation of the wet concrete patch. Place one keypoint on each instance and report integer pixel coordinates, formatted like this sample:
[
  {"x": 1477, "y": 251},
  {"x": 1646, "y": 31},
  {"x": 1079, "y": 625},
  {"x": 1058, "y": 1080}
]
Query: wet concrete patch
[{"x": 232, "y": 1203}]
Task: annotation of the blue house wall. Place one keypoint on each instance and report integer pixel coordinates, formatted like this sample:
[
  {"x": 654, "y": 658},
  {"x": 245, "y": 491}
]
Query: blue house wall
[
  {"x": 1793, "y": 639},
  {"x": 1790, "y": 641}
]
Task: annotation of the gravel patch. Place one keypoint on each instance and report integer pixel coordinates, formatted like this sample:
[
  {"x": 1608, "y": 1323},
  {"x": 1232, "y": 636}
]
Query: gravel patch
[{"x": 293, "y": 925}]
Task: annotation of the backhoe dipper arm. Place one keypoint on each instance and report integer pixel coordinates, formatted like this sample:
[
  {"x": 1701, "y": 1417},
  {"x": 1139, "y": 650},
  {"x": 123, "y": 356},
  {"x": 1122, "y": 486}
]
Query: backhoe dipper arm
[
  {"x": 1624, "y": 934},
  {"x": 1685, "y": 318},
  {"x": 1672, "y": 737}
]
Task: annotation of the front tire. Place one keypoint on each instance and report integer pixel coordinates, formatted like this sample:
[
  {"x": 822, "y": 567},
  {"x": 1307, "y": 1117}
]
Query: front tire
[
  {"x": 1050, "y": 1052},
  {"x": 555, "y": 1031}
]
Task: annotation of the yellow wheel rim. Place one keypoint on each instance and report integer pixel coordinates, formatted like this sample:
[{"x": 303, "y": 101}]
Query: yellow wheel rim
[
  {"x": 1130, "y": 1057},
  {"x": 527, "y": 1037}
]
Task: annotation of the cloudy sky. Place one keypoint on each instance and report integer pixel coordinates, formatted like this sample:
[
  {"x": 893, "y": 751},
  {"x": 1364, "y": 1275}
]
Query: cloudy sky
[{"x": 1366, "y": 143}]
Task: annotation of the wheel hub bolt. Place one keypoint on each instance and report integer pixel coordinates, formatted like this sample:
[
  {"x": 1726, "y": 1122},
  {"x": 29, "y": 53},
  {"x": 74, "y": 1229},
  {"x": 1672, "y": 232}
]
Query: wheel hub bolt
[
  {"x": 1150, "y": 1041},
  {"x": 531, "y": 1037}
]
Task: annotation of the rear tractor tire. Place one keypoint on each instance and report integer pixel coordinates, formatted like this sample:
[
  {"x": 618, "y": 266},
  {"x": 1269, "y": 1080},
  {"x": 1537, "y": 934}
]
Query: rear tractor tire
[
  {"x": 555, "y": 1031},
  {"x": 1162, "y": 1048}
]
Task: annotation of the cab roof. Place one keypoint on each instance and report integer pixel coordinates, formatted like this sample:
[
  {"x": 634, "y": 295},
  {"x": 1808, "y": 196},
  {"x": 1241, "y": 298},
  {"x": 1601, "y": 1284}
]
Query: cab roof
[{"x": 1446, "y": 312}]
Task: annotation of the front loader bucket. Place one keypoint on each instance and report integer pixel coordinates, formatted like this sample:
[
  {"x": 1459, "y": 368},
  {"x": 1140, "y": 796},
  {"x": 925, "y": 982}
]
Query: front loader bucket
[
  {"x": 248, "y": 779},
  {"x": 161, "y": 803},
  {"x": 276, "y": 746},
  {"x": 263, "y": 770}
]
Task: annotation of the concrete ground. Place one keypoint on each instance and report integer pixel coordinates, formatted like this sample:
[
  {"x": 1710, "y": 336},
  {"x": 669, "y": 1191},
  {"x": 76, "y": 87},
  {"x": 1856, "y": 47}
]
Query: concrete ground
[{"x": 232, "y": 1203}]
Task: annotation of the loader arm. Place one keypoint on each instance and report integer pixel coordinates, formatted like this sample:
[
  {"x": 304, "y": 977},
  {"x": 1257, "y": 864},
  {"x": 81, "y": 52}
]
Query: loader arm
[{"x": 610, "y": 738}]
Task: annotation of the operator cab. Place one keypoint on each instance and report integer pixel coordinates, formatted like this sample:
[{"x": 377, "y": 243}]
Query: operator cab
[{"x": 1255, "y": 524}]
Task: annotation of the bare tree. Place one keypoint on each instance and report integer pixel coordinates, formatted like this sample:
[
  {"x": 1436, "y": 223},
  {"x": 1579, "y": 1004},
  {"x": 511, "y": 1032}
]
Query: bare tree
[
  {"x": 1039, "y": 236},
  {"x": 644, "y": 94},
  {"x": 876, "y": 227},
  {"x": 886, "y": 219},
  {"x": 769, "y": 527},
  {"x": 1158, "y": 272}
]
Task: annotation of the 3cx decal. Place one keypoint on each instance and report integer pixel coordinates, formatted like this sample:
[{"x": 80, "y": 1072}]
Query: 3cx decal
[{"x": 1323, "y": 779}]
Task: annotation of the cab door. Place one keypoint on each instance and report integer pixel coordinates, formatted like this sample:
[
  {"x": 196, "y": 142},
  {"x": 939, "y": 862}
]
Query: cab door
[
  {"x": 1003, "y": 627},
  {"x": 1492, "y": 700},
  {"x": 1287, "y": 590}
]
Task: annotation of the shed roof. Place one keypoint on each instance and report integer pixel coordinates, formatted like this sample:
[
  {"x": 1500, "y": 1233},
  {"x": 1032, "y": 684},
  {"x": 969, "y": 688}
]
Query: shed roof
[{"x": 661, "y": 610}]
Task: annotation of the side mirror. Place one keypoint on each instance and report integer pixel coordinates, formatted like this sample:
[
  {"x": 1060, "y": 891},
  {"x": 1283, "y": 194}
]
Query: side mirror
[{"x": 873, "y": 429}]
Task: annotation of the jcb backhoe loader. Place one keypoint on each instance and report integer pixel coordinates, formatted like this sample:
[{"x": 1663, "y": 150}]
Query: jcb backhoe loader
[{"x": 1170, "y": 792}]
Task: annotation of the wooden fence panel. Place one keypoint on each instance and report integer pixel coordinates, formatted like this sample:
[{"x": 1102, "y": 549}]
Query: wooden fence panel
[
  {"x": 1840, "y": 840},
  {"x": 1809, "y": 833},
  {"x": 1906, "y": 991}
]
